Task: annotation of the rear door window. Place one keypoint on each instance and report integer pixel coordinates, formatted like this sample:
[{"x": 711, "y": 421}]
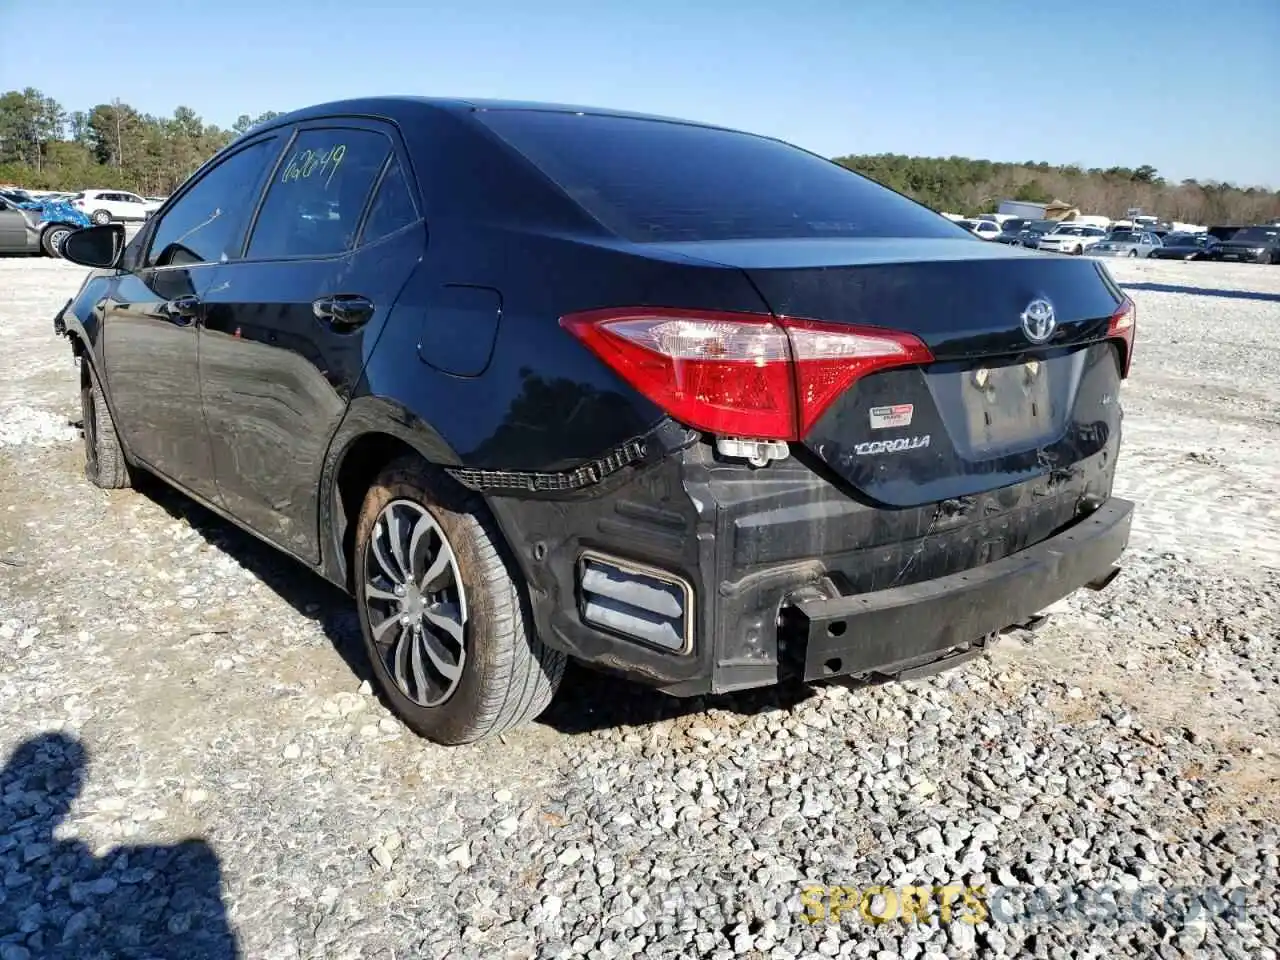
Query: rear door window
[
  {"x": 318, "y": 194},
  {"x": 653, "y": 180}
]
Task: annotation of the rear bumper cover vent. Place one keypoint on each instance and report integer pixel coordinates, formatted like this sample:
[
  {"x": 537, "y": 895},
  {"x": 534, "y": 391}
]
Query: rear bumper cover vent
[{"x": 636, "y": 601}]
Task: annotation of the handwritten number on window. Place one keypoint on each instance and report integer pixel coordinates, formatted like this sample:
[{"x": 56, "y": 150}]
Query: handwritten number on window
[{"x": 308, "y": 164}]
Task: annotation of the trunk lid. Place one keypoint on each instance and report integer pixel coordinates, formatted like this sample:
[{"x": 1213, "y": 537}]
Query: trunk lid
[{"x": 996, "y": 407}]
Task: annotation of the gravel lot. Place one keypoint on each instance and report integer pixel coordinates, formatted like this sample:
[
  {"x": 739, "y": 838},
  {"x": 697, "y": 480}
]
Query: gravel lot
[{"x": 164, "y": 677}]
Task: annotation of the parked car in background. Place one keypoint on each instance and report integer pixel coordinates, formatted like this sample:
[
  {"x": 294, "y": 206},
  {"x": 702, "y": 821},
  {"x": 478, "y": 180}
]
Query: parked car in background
[
  {"x": 104, "y": 206},
  {"x": 1030, "y": 234},
  {"x": 1187, "y": 246},
  {"x": 693, "y": 458},
  {"x": 1071, "y": 238},
  {"x": 1252, "y": 244},
  {"x": 1126, "y": 243},
  {"x": 1011, "y": 231},
  {"x": 33, "y": 226},
  {"x": 986, "y": 229}
]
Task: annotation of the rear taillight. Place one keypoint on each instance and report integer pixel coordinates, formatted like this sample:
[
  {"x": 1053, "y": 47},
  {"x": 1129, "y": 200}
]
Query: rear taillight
[
  {"x": 1122, "y": 326},
  {"x": 740, "y": 374}
]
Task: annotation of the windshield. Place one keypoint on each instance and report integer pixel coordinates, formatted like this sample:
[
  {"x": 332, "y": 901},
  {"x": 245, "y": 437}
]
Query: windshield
[
  {"x": 1125, "y": 236},
  {"x": 1042, "y": 226},
  {"x": 1079, "y": 231},
  {"x": 967, "y": 224},
  {"x": 662, "y": 181},
  {"x": 1258, "y": 234},
  {"x": 1014, "y": 225},
  {"x": 1185, "y": 240}
]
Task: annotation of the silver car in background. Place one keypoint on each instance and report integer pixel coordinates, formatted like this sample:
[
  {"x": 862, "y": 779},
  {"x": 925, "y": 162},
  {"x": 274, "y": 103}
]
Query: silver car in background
[{"x": 1127, "y": 243}]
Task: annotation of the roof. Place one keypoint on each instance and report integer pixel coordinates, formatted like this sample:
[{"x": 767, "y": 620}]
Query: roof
[{"x": 399, "y": 107}]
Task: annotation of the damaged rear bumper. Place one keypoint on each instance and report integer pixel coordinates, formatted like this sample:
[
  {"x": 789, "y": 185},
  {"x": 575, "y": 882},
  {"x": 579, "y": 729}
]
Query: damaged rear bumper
[
  {"x": 747, "y": 578},
  {"x": 896, "y": 630}
]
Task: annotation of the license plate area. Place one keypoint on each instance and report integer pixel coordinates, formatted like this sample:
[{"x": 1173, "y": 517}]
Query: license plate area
[{"x": 1008, "y": 406}]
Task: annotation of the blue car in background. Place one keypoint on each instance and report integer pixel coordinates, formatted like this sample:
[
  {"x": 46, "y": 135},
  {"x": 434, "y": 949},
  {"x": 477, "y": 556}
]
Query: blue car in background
[{"x": 30, "y": 225}]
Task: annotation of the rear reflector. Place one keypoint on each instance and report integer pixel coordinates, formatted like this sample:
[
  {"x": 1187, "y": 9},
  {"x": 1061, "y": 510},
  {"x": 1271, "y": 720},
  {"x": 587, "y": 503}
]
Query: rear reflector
[
  {"x": 740, "y": 374},
  {"x": 1122, "y": 327},
  {"x": 635, "y": 601}
]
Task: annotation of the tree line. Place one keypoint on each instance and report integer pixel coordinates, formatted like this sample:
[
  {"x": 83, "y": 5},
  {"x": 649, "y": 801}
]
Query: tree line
[
  {"x": 44, "y": 146},
  {"x": 969, "y": 187}
]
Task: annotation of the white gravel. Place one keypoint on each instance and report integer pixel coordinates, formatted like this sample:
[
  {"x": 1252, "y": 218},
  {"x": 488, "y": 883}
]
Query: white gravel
[{"x": 202, "y": 686}]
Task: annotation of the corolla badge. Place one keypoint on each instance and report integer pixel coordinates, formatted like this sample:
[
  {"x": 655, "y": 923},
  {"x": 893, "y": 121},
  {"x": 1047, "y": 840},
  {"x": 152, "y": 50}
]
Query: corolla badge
[{"x": 1038, "y": 320}]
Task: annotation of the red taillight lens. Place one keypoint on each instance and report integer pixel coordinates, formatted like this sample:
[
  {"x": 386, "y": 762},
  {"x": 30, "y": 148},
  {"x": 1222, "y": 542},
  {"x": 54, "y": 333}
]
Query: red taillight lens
[
  {"x": 739, "y": 374},
  {"x": 1122, "y": 326}
]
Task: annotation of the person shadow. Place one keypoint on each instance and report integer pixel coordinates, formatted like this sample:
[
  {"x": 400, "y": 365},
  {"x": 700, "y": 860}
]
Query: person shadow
[{"x": 59, "y": 901}]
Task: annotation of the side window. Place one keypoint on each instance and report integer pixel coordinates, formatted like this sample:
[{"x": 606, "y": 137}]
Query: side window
[
  {"x": 317, "y": 196},
  {"x": 206, "y": 224},
  {"x": 392, "y": 207}
]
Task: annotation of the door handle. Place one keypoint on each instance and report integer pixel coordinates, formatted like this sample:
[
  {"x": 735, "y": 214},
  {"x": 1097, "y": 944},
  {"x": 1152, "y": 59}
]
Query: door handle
[
  {"x": 343, "y": 312},
  {"x": 183, "y": 310}
]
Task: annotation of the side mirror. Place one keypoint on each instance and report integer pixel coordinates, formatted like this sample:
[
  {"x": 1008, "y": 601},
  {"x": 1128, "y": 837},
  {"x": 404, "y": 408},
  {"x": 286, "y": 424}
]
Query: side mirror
[{"x": 101, "y": 247}]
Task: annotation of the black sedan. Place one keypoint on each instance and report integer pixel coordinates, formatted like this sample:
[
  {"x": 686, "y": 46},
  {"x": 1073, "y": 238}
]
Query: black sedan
[
  {"x": 1252, "y": 245},
  {"x": 537, "y": 382},
  {"x": 1186, "y": 246}
]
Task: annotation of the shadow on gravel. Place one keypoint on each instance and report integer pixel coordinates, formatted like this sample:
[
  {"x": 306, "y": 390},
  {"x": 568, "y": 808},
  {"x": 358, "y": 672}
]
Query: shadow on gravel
[
  {"x": 1204, "y": 291},
  {"x": 309, "y": 594},
  {"x": 589, "y": 701},
  {"x": 60, "y": 901}
]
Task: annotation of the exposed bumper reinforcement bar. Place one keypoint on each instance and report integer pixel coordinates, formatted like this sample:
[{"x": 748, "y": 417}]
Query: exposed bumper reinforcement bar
[{"x": 901, "y": 631}]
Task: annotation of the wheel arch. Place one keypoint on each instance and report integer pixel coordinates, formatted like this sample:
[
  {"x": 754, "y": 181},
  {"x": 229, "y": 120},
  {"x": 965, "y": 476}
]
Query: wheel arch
[{"x": 374, "y": 432}]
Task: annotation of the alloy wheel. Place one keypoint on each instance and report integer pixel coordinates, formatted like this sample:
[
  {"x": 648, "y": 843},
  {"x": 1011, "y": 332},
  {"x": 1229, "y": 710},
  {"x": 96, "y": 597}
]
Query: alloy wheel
[{"x": 416, "y": 603}]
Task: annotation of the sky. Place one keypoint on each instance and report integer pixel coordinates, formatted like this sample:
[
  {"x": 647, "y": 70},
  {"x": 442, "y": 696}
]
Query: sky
[{"x": 1191, "y": 87}]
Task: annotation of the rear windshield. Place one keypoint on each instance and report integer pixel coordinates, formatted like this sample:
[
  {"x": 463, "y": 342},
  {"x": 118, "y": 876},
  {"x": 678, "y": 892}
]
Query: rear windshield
[{"x": 649, "y": 180}]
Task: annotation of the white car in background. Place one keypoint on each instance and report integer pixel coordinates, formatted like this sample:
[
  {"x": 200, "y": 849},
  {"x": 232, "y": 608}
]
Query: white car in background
[
  {"x": 104, "y": 206},
  {"x": 1071, "y": 238},
  {"x": 986, "y": 229}
]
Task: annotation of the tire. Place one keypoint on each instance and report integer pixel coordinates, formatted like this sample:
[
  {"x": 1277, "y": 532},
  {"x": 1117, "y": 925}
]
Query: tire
[
  {"x": 53, "y": 236},
  {"x": 505, "y": 676},
  {"x": 101, "y": 217},
  {"x": 104, "y": 461},
  {"x": 1133, "y": 253},
  {"x": 1079, "y": 251}
]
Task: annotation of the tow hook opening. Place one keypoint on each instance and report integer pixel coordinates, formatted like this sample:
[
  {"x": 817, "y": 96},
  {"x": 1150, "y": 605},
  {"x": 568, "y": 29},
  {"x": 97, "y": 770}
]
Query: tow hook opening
[{"x": 1104, "y": 581}]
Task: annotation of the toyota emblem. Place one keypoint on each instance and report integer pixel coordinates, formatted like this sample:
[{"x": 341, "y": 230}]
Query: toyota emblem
[{"x": 1038, "y": 320}]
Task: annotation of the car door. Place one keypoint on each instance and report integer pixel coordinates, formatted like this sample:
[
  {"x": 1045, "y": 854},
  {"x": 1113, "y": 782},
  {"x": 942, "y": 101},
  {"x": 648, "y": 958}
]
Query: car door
[
  {"x": 152, "y": 316},
  {"x": 133, "y": 206},
  {"x": 289, "y": 325},
  {"x": 14, "y": 233},
  {"x": 107, "y": 201}
]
